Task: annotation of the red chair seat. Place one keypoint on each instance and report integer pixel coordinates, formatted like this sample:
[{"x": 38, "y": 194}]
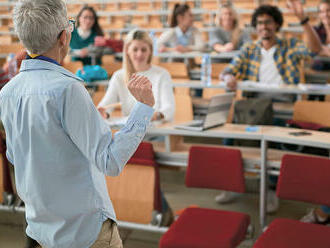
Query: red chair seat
[
  {"x": 286, "y": 233},
  {"x": 196, "y": 227}
]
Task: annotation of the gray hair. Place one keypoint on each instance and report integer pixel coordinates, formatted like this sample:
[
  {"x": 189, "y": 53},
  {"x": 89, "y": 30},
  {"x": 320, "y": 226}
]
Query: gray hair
[{"x": 39, "y": 22}]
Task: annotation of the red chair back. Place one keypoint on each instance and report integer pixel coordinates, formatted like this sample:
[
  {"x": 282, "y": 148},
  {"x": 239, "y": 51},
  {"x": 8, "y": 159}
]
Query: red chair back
[
  {"x": 304, "y": 178},
  {"x": 145, "y": 155},
  {"x": 215, "y": 168}
]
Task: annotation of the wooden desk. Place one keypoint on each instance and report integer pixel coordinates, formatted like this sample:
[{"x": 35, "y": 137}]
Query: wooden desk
[
  {"x": 314, "y": 76},
  {"x": 234, "y": 131},
  {"x": 191, "y": 55},
  {"x": 250, "y": 86},
  {"x": 175, "y": 150},
  {"x": 282, "y": 134}
]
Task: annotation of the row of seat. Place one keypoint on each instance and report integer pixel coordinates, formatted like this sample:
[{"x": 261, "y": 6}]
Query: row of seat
[{"x": 222, "y": 169}]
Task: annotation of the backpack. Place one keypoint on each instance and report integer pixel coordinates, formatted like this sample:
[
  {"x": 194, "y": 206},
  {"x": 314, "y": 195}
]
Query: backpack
[
  {"x": 91, "y": 73},
  {"x": 253, "y": 111}
]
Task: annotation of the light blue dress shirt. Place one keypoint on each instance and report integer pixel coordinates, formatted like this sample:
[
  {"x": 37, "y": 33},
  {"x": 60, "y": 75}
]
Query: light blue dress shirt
[
  {"x": 184, "y": 38},
  {"x": 61, "y": 148}
]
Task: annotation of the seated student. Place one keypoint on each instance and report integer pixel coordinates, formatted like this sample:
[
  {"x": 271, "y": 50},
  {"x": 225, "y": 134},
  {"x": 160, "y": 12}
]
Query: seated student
[
  {"x": 323, "y": 31},
  {"x": 183, "y": 36},
  {"x": 84, "y": 34},
  {"x": 137, "y": 59},
  {"x": 271, "y": 59},
  {"x": 227, "y": 36}
]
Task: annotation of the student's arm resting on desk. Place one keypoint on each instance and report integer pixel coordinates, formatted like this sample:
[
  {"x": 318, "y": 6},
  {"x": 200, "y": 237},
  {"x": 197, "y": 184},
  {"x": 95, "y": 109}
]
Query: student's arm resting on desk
[
  {"x": 111, "y": 95},
  {"x": 217, "y": 42},
  {"x": 235, "y": 67},
  {"x": 93, "y": 137},
  {"x": 82, "y": 53},
  {"x": 164, "y": 40}
]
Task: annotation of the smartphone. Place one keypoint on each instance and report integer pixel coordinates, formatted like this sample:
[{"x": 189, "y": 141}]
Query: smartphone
[{"x": 301, "y": 133}]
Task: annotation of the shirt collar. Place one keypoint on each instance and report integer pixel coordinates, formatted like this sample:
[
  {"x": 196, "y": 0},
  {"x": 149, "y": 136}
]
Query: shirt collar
[
  {"x": 278, "y": 43},
  {"x": 41, "y": 57},
  {"x": 179, "y": 32},
  {"x": 37, "y": 64}
]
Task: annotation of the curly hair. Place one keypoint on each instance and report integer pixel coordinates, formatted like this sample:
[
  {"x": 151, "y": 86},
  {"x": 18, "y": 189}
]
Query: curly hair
[{"x": 270, "y": 10}]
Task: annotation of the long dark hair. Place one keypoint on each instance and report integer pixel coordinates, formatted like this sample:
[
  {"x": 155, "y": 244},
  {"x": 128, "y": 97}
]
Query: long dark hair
[
  {"x": 179, "y": 9},
  {"x": 96, "y": 27}
]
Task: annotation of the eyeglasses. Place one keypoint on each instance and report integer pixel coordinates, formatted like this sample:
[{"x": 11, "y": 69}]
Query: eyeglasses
[
  {"x": 88, "y": 17},
  {"x": 71, "y": 25},
  {"x": 265, "y": 22}
]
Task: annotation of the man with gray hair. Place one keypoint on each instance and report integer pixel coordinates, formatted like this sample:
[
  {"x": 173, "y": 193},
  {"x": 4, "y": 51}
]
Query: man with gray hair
[{"x": 57, "y": 140}]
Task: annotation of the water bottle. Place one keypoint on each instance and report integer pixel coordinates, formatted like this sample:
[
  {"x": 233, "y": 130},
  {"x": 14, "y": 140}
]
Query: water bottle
[
  {"x": 12, "y": 65},
  {"x": 154, "y": 42},
  {"x": 206, "y": 70}
]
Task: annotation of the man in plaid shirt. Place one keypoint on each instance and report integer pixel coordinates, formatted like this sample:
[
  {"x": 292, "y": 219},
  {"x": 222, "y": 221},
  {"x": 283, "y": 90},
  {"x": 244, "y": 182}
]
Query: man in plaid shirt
[{"x": 271, "y": 59}]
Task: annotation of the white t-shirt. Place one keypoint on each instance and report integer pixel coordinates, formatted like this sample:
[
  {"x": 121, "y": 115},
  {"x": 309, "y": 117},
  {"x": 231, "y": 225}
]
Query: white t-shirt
[
  {"x": 161, "y": 87},
  {"x": 268, "y": 72}
]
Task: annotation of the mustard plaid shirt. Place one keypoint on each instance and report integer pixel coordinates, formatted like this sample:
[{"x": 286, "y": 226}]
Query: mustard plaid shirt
[{"x": 288, "y": 54}]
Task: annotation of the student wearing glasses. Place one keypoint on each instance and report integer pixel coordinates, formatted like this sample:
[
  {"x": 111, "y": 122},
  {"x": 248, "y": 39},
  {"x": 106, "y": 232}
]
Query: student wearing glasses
[
  {"x": 271, "y": 60},
  {"x": 59, "y": 144},
  {"x": 84, "y": 35}
]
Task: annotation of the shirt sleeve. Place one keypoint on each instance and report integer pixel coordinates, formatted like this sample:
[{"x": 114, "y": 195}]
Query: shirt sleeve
[
  {"x": 215, "y": 37},
  {"x": 165, "y": 38},
  {"x": 111, "y": 95},
  {"x": 167, "y": 102},
  {"x": 237, "y": 63},
  {"x": 92, "y": 136},
  {"x": 300, "y": 50}
]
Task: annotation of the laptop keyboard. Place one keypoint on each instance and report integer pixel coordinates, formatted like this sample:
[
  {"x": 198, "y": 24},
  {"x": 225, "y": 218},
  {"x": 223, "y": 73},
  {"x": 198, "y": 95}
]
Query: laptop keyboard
[{"x": 196, "y": 123}]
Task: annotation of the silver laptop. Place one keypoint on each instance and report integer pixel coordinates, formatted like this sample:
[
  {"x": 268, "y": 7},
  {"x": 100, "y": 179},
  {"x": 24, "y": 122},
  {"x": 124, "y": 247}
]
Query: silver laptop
[{"x": 217, "y": 113}]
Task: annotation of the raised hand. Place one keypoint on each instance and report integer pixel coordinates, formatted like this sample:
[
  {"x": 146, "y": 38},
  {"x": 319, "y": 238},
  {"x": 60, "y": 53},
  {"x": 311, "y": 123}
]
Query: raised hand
[
  {"x": 297, "y": 8},
  {"x": 141, "y": 88}
]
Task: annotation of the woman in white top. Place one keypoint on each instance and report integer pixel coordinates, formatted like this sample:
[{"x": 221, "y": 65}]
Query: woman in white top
[
  {"x": 183, "y": 36},
  {"x": 137, "y": 59}
]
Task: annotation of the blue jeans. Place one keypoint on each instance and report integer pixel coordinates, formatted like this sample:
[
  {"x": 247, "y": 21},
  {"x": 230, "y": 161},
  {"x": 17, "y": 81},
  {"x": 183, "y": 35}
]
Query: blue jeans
[{"x": 325, "y": 209}]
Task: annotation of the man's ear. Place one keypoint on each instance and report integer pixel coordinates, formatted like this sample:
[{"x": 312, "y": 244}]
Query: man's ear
[{"x": 63, "y": 37}]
